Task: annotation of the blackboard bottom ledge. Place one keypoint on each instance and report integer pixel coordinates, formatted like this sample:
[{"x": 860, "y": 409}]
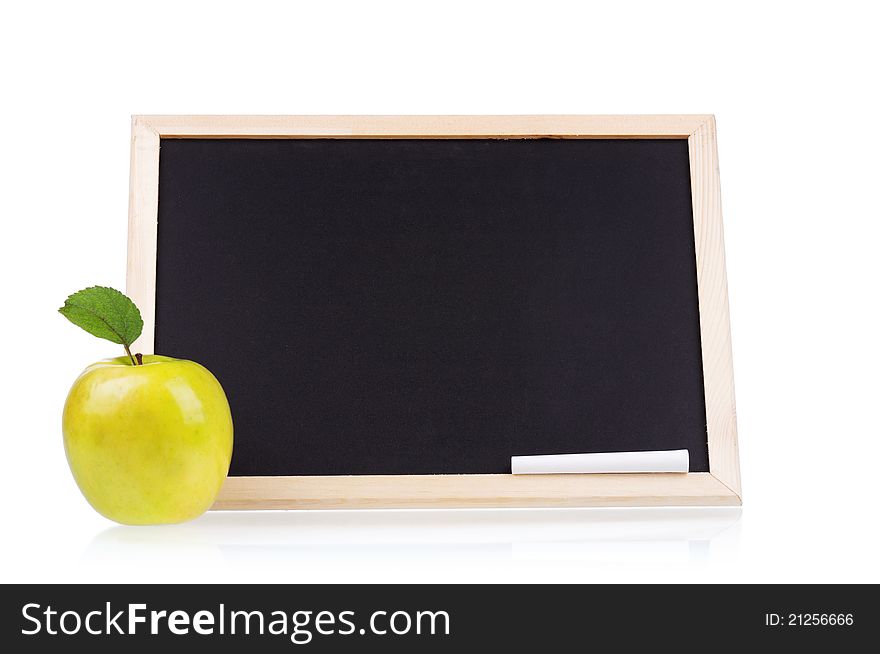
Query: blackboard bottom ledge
[{"x": 474, "y": 491}]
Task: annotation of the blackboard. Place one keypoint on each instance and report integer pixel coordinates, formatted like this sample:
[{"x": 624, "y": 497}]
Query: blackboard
[{"x": 427, "y": 306}]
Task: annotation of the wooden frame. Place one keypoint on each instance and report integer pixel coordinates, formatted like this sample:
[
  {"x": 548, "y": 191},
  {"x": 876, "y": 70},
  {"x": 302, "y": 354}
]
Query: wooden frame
[{"x": 720, "y": 486}]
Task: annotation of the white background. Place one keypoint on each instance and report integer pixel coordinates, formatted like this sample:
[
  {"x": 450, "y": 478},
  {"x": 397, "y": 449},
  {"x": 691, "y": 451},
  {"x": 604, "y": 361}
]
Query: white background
[{"x": 793, "y": 87}]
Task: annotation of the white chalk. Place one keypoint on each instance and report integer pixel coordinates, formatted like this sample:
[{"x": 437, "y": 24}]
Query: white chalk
[{"x": 605, "y": 462}]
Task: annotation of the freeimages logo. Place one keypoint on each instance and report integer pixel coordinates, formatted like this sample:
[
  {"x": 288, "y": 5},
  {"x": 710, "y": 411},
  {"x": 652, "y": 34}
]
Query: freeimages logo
[{"x": 301, "y": 626}]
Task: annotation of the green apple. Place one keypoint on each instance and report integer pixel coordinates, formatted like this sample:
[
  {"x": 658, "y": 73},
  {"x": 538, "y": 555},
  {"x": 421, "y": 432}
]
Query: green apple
[{"x": 148, "y": 443}]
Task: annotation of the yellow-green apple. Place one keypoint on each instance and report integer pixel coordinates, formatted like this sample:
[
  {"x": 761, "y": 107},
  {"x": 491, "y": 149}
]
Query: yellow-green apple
[{"x": 148, "y": 441}]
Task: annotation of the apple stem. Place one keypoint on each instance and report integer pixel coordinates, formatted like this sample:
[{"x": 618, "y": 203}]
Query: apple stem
[
  {"x": 128, "y": 352},
  {"x": 140, "y": 358}
]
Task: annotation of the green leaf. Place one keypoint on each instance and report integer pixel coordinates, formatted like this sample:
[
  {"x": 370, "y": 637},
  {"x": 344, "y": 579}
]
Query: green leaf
[{"x": 105, "y": 313}]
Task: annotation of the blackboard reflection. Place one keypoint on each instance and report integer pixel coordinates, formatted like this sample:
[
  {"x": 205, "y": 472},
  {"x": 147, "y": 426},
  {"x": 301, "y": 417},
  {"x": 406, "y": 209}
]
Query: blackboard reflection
[{"x": 368, "y": 541}]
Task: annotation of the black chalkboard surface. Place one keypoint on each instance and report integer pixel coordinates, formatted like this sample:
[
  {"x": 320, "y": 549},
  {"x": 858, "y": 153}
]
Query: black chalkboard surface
[{"x": 417, "y": 306}]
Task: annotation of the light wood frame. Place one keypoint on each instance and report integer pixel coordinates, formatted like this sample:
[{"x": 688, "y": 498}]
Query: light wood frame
[{"x": 720, "y": 486}]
